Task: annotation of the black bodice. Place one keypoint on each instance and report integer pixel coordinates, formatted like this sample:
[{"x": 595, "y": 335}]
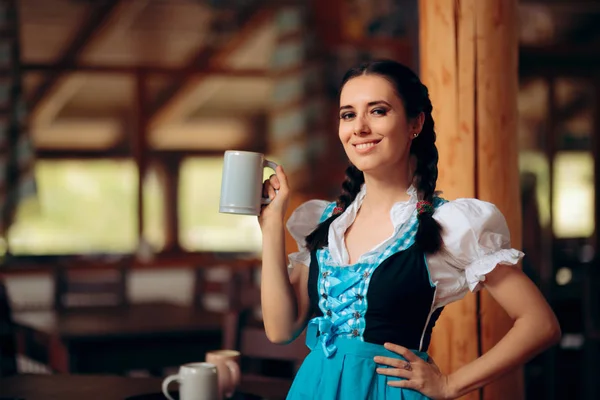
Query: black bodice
[{"x": 399, "y": 300}]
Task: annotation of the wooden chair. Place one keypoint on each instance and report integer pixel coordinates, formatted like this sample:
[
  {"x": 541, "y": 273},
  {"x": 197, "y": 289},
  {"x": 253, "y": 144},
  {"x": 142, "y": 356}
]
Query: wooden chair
[
  {"x": 88, "y": 288},
  {"x": 212, "y": 291},
  {"x": 213, "y": 287},
  {"x": 263, "y": 362},
  {"x": 8, "y": 352}
]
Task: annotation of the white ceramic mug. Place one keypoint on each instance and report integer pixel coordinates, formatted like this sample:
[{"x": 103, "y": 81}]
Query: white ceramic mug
[
  {"x": 197, "y": 381},
  {"x": 228, "y": 367},
  {"x": 241, "y": 186}
]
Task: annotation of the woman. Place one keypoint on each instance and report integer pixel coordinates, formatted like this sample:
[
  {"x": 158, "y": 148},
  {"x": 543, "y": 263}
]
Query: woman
[{"x": 376, "y": 268}]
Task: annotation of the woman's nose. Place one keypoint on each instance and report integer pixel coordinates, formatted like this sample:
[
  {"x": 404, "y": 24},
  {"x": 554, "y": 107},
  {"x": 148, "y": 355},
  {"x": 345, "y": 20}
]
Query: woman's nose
[{"x": 361, "y": 127}]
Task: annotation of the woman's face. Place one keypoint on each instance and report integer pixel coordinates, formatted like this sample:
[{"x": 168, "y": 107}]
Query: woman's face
[{"x": 373, "y": 128}]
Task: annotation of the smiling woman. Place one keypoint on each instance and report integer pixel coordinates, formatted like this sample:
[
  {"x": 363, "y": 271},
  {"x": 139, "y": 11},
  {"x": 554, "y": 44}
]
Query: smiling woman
[{"x": 376, "y": 267}]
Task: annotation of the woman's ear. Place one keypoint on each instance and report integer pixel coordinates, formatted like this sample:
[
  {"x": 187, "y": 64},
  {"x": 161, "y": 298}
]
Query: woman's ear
[{"x": 416, "y": 124}]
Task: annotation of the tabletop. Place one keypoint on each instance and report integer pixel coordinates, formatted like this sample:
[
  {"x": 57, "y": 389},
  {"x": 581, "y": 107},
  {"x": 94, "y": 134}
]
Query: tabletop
[
  {"x": 117, "y": 339},
  {"x": 88, "y": 387},
  {"x": 99, "y": 387},
  {"x": 134, "y": 320}
]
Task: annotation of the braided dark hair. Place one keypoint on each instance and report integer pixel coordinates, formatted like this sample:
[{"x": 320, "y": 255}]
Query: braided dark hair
[{"x": 415, "y": 97}]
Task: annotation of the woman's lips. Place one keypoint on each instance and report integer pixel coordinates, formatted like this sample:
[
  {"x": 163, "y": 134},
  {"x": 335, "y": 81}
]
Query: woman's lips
[{"x": 366, "y": 147}]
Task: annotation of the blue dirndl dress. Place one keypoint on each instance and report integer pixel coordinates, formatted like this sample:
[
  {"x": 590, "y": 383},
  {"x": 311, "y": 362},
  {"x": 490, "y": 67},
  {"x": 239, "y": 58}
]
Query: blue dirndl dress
[{"x": 357, "y": 308}]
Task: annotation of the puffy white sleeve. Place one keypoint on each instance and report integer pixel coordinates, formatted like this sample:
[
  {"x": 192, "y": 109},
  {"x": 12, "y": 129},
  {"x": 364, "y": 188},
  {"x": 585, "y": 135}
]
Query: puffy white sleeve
[
  {"x": 476, "y": 239},
  {"x": 301, "y": 223}
]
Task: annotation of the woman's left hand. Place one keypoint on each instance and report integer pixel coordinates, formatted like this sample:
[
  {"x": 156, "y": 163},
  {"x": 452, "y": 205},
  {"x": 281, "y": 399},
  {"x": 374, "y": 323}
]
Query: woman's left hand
[{"x": 422, "y": 376}]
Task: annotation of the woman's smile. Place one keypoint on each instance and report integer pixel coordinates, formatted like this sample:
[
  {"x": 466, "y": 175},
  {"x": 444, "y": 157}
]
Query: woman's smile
[{"x": 365, "y": 147}]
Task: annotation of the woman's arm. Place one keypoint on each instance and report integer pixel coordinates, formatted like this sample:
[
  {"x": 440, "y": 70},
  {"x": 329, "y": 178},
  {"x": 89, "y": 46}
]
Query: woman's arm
[
  {"x": 535, "y": 329},
  {"x": 284, "y": 296}
]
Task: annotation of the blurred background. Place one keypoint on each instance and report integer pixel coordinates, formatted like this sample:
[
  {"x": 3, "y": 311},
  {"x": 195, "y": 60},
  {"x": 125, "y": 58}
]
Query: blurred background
[{"x": 114, "y": 116}]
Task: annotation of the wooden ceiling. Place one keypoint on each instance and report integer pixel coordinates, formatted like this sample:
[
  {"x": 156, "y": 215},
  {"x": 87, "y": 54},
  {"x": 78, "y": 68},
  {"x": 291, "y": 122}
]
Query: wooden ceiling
[
  {"x": 203, "y": 68},
  {"x": 560, "y": 48},
  {"x": 559, "y": 22}
]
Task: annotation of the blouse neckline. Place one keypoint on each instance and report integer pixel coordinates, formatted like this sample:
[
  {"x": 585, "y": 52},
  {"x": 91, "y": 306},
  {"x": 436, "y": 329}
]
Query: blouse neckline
[{"x": 400, "y": 213}]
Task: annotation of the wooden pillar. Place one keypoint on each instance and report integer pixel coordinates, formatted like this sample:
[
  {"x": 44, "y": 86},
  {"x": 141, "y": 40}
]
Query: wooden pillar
[
  {"x": 497, "y": 154},
  {"x": 468, "y": 55},
  {"x": 448, "y": 71},
  {"x": 139, "y": 146},
  {"x": 170, "y": 181}
]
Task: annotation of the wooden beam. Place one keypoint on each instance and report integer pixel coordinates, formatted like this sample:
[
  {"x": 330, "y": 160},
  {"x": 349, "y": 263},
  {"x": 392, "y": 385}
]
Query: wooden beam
[
  {"x": 556, "y": 60},
  {"x": 206, "y": 57},
  {"x": 34, "y": 264},
  {"x": 185, "y": 72},
  {"x": 327, "y": 19},
  {"x": 90, "y": 30},
  {"x": 573, "y": 52},
  {"x": 577, "y": 5},
  {"x": 61, "y": 96},
  {"x": 51, "y": 153}
]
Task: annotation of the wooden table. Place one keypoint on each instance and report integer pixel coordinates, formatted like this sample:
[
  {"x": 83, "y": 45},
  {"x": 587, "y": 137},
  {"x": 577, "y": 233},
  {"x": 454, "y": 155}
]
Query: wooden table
[
  {"x": 114, "y": 340},
  {"x": 94, "y": 387}
]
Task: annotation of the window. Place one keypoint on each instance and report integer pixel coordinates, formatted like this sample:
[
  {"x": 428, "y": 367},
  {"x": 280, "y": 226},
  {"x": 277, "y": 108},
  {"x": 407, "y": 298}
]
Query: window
[
  {"x": 573, "y": 209},
  {"x": 84, "y": 207}
]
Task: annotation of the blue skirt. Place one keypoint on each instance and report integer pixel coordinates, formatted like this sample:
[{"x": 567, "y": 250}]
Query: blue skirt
[{"x": 349, "y": 374}]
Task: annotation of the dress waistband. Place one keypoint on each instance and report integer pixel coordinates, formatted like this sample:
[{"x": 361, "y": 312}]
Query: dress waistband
[{"x": 354, "y": 346}]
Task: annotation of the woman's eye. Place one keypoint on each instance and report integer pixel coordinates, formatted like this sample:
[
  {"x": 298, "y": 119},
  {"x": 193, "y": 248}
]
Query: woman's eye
[
  {"x": 347, "y": 115},
  {"x": 379, "y": 111}
]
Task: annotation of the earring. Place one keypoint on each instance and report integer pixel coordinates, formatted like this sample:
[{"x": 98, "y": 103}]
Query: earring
[{"x": 415, "y": 135}]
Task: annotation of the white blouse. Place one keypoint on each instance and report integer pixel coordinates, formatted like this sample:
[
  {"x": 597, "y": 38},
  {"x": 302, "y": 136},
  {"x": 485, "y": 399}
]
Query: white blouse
[{"x": 475, "y": 235}]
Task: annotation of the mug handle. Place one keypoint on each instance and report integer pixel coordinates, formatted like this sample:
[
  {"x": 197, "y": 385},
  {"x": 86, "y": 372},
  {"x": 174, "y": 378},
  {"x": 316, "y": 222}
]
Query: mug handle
[
  {"x": 165, "y": 385},
  {"x": 233, "y": 379},
  {"x": 273, "y": 166}
]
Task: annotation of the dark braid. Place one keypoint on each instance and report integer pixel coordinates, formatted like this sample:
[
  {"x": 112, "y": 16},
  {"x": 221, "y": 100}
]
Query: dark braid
[
  {"x": 415, "y": 98},
  {"x": 429, "y": 234},
  {"x": 350, "y": 188}
]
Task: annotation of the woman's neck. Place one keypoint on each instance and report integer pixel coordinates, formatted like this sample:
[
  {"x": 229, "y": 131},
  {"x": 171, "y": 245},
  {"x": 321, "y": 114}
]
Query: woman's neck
[{"x": 383, "y": 193}]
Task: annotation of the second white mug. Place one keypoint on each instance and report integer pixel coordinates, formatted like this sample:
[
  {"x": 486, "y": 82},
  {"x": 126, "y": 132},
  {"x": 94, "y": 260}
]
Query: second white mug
[
  {"x": 197, "y": 381},
  {"x": 228, "y": 368}
]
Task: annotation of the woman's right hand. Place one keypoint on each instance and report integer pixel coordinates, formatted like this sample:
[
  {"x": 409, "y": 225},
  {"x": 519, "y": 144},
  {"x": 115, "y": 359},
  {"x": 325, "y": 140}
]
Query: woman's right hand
[{"x": 275, "y": 188}]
